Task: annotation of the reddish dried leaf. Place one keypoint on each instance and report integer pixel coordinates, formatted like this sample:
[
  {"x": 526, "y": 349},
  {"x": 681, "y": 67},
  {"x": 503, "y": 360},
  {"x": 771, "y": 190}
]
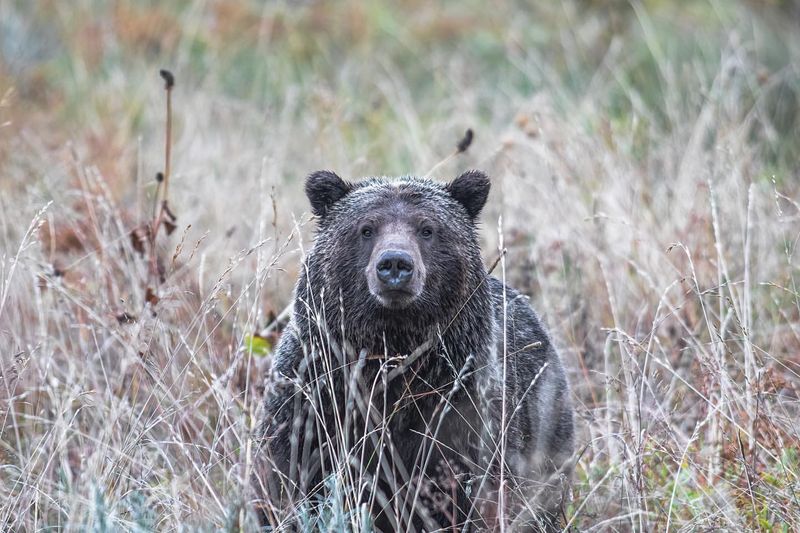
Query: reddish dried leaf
[
  {"x": 151, "y": 297},
  {"x": 169, "y": 227},
  {"x": 138, "y": 239}
]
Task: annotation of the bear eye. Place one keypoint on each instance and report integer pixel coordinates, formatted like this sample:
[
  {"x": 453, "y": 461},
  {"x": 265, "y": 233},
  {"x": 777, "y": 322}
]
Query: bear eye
[
  {"x": 426, "y": 232},
  {"x": 366, "y": 232}
]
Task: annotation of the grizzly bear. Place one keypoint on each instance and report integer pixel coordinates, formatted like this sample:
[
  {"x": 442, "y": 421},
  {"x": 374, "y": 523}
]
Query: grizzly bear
[{"x": 411, "y": 391}]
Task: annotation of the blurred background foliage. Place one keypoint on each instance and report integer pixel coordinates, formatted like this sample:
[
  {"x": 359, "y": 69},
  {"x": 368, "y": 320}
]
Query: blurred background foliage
[{"x": 85, "y": 68}]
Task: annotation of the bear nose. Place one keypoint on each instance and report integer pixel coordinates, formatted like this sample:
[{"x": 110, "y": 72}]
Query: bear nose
[{"x": 395, "y": 268}]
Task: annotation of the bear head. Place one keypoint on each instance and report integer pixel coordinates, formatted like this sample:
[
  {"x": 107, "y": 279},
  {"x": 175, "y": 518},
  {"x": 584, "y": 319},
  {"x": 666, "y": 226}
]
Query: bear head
[{"x": 408, "y": 245}]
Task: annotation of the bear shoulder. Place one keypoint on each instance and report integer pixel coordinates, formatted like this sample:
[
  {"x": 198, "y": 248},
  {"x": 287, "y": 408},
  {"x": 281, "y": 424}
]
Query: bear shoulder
[{"x": 521, "y": 319}]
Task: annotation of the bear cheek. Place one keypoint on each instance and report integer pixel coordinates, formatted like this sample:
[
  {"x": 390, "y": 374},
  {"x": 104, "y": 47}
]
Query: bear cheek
[
  {"x": 446, "y": 275},
  {"x": 344, "y": 266}
]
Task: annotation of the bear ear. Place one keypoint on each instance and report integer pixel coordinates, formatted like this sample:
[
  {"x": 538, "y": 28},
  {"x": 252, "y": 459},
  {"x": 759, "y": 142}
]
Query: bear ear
[
  {"x": 324, "y": 188},
  {"x": 470, "y": 189}
]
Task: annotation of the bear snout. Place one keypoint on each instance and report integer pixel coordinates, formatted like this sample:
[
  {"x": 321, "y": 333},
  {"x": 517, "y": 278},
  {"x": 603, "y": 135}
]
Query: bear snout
[
  {"x": 395, "y": 269},
  {"x": 396, "y": 273}
]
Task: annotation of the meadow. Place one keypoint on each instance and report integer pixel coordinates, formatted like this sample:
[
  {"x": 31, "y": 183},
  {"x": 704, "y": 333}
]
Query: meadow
[{"x": 645, "y": 166}]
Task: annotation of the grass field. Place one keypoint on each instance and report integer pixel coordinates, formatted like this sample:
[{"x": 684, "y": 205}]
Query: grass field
[{"x": 645, "y": 160}]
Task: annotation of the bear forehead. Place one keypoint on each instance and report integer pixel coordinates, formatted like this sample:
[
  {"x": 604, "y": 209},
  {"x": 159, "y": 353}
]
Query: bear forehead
[
  {"x": 415, "y": 190},
  {"x": 400, "y": 198},
  {"x": 397, "y": 185}
]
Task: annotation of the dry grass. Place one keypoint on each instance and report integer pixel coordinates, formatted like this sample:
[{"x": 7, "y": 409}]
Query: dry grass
[{"x": 646, "y": 180}]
